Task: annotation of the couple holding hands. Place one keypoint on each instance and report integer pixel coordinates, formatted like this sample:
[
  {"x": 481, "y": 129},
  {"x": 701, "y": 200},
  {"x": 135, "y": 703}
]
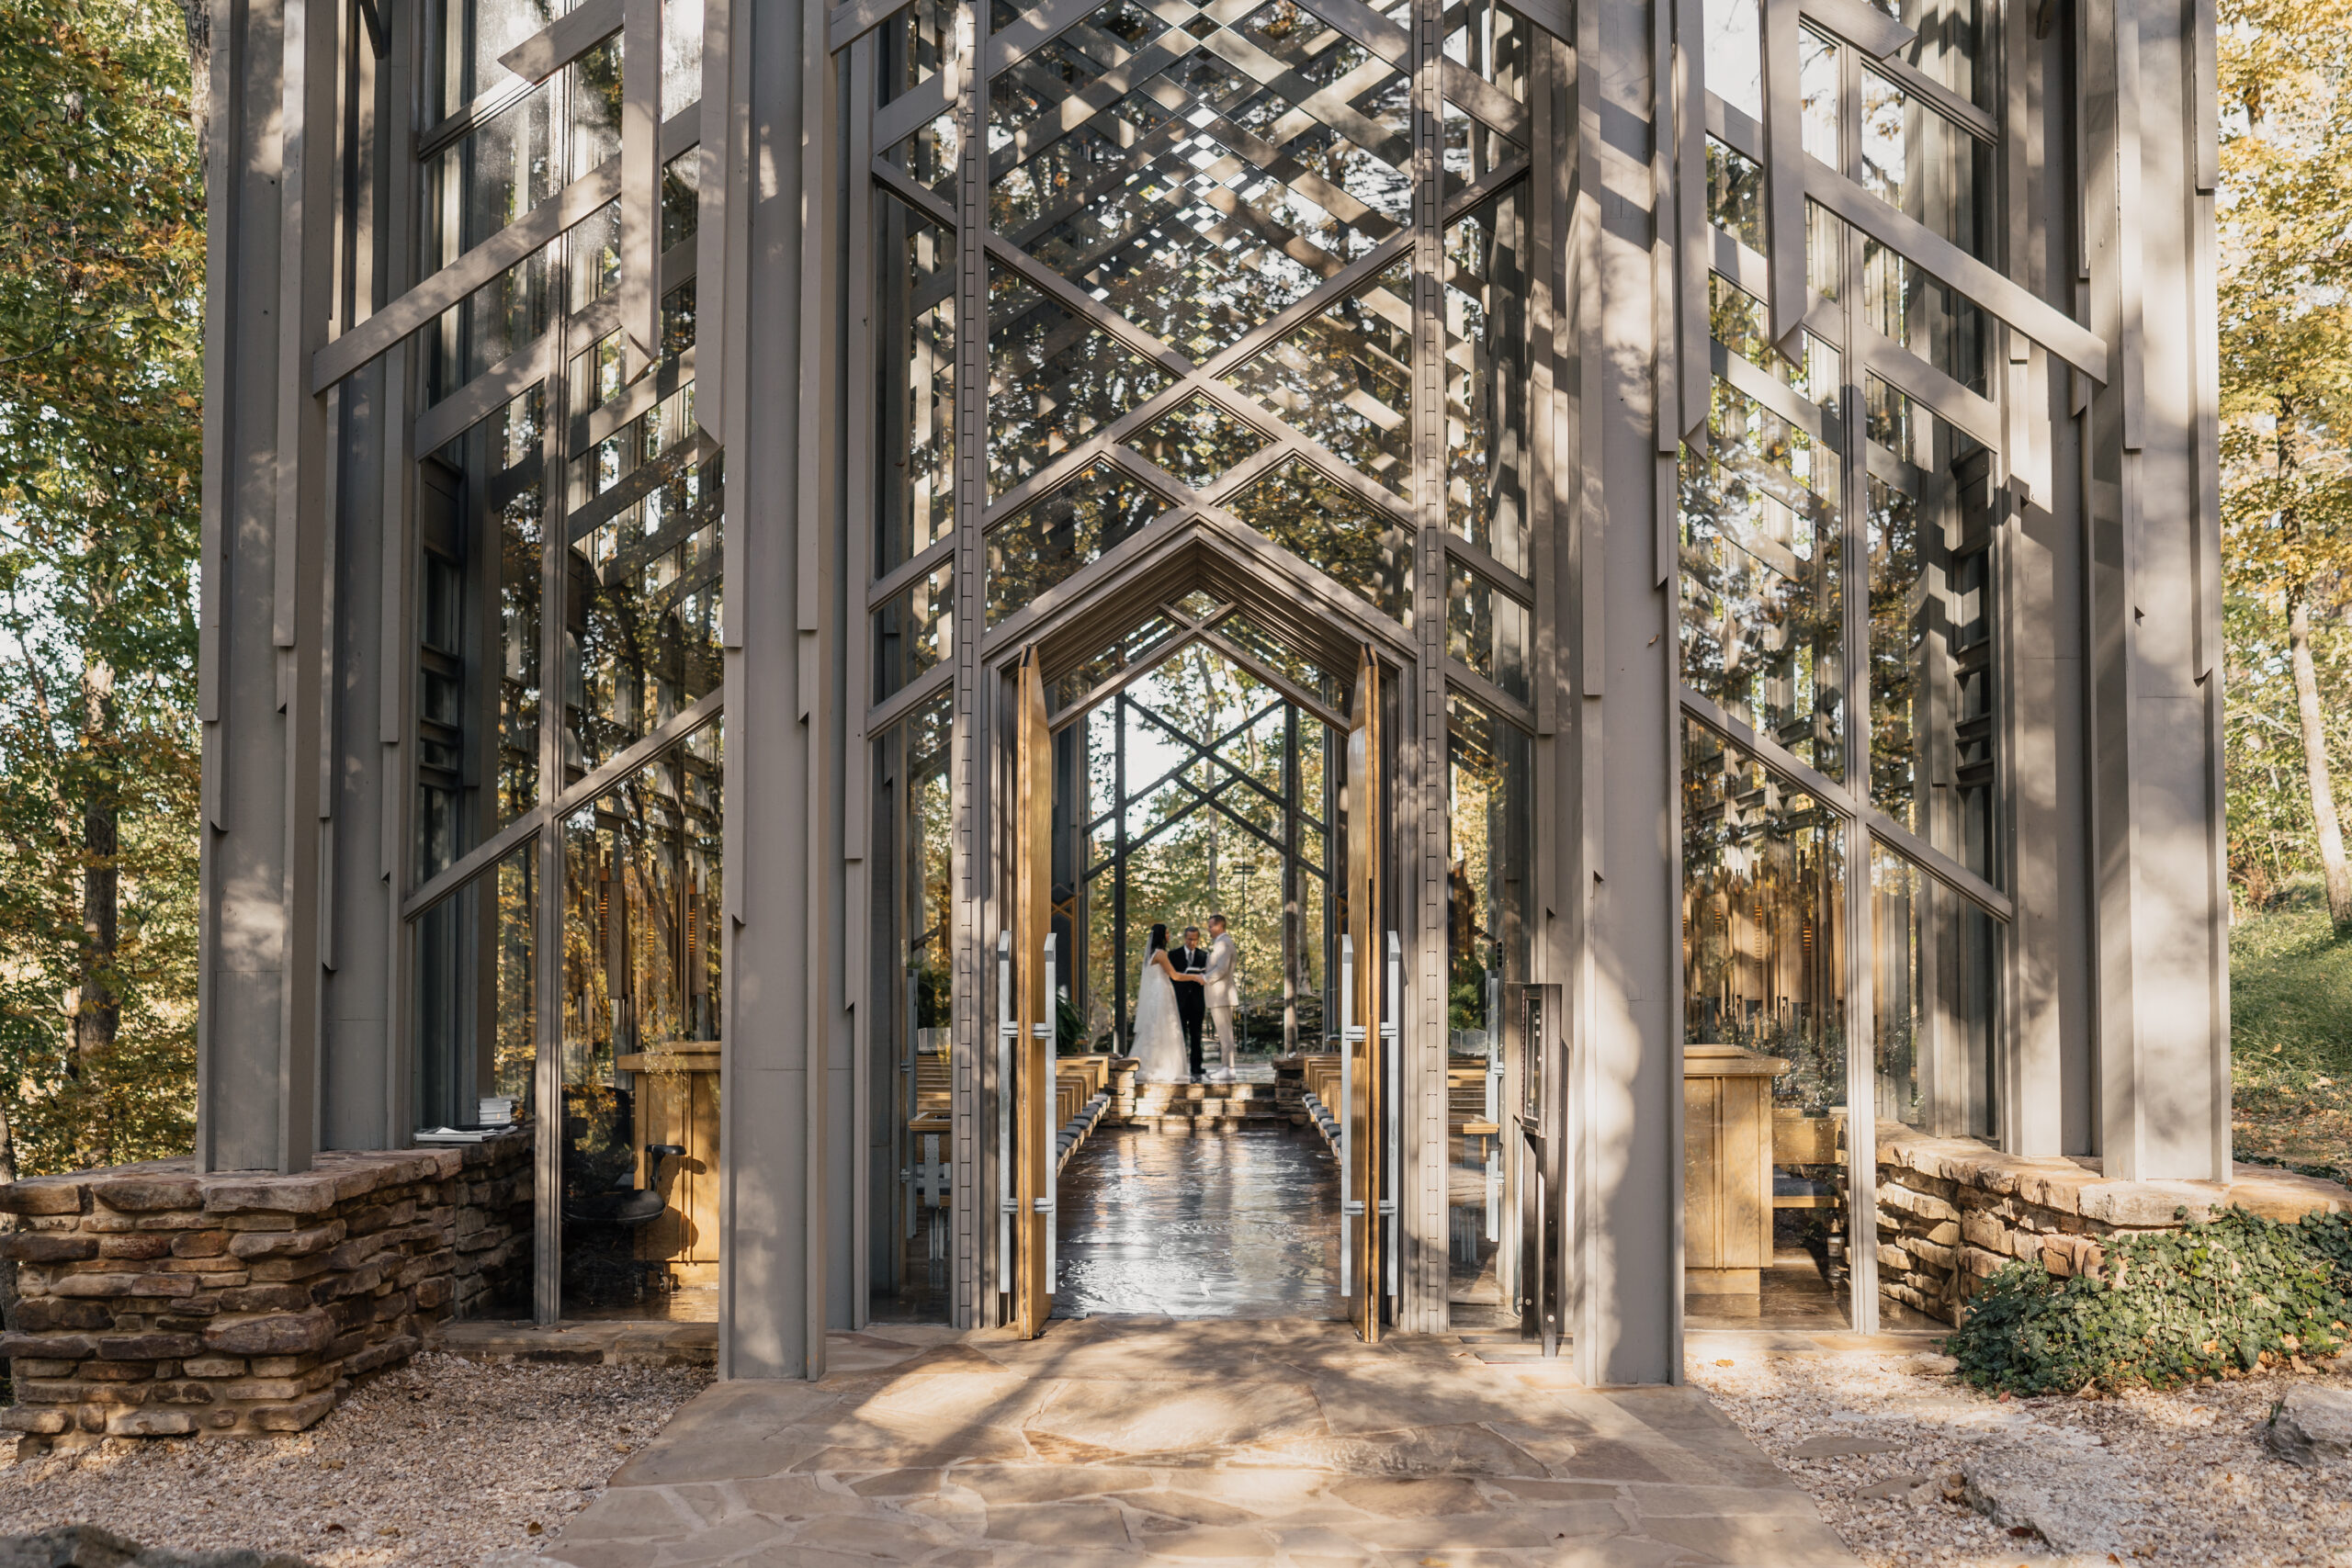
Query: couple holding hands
[{"x": 1182, "y": 987}]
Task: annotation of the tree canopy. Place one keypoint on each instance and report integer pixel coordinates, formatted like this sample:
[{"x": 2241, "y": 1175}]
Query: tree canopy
[{"x": 101, "y": 298}]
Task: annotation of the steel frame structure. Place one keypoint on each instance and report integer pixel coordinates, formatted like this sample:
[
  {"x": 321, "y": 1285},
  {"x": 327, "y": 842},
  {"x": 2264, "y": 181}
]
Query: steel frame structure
[{"x": 2091, "y": 511}]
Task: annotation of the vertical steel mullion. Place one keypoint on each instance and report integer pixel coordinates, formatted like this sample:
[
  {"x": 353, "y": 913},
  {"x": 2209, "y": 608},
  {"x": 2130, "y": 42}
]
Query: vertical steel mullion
[
  {"x": 555, "y": 497},
  {"x": 974, "y": 1305},
  {"x": 1861, "y": 1032},
  {"x": 857, "y": 556},
  {"x": 1290, "y": 879},
  {"x": 397, "y": 652},
  {"x": 1421, "y": 1298},
  {"x": 1119, "y": 859}
]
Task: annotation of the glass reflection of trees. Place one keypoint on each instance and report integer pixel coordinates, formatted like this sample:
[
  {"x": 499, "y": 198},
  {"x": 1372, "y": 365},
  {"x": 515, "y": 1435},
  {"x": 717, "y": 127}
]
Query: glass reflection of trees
[
  {"x": 1762, "y": 575},
  {"x": 641, "y": 633},
  {"x": 1184, "y": 859},
  {"x": 642, "y": 897},
  {"x": 1763, "y": 927},
  {"x": 910, "y": 863}
]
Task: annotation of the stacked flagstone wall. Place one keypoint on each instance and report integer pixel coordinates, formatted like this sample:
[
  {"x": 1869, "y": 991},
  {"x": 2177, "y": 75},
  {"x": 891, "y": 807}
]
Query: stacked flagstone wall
[
  {"x": 1951, "y": 1210},
  {"x": 155, "y": 1300}
]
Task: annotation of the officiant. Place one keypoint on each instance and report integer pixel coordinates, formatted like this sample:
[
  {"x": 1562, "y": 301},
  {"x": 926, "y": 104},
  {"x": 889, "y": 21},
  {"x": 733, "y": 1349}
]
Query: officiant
[{"x": 1191, "y": 1005}]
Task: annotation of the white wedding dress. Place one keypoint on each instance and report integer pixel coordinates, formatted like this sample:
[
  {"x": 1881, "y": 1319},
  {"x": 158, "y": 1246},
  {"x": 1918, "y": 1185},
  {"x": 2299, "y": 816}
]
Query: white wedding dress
[{"x": 1160, "y": 1056}]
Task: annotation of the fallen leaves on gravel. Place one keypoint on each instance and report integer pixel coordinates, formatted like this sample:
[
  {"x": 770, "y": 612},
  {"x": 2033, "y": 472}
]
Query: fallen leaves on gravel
[
  {"x": 506, "y": 1450},
  {"x": 2208, "y": 1495}
]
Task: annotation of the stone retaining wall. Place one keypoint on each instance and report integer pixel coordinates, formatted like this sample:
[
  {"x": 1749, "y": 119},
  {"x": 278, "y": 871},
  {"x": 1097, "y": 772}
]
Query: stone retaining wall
[
  {"x": 1951, "y": 1210},
  {"x": 158, "y": 1301}
]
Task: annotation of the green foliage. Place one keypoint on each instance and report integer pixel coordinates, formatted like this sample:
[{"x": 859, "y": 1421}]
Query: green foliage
[
  {"x": 101, "y": 295},
  {"x": 2291, "y": 995},
  {"x": 2164, "y": 1308},
  {"x": 2284, "y": 210}
]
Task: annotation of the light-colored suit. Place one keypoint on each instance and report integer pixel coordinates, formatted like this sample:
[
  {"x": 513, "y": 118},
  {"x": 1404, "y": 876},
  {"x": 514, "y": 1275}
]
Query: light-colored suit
[{"x": 1220, "y": 992}]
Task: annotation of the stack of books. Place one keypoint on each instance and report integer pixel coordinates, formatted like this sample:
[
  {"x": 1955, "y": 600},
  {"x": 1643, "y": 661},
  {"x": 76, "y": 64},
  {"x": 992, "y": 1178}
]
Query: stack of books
[
  {"x": 456, "y": 1134},
  {"x": 496, "y": 1115}
]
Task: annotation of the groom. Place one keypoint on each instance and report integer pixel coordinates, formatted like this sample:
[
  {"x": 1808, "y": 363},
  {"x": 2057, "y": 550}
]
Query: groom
[
  {"x": 1217, "y": 992},
  {"x": 1190, "y": 959}
]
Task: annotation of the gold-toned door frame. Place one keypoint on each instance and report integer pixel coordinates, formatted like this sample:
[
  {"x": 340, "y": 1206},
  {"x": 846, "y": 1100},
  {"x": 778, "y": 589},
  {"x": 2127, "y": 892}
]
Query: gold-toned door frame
[
  {"x": 1034, "y": 1010},
  {"x": 1365, "y": 1113}
]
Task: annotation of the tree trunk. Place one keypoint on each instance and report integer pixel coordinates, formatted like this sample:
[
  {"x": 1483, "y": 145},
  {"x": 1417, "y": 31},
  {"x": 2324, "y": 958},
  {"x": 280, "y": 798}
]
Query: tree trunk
[
  {"x": 197, "y": 16},
  {"x": 2331, "y": 833},
  {"x": 99, "y": 1014}
]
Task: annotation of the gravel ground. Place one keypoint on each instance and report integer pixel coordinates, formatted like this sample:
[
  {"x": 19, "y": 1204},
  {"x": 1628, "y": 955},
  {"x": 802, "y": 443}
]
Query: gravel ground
[
  {"x": 2208, "y": 1493},
  {"x": 427, "y": 1467}
]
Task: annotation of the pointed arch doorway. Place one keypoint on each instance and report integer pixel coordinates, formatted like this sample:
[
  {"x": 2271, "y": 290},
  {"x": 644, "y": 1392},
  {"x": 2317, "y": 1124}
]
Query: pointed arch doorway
[{"x": 1058, "y": 850}]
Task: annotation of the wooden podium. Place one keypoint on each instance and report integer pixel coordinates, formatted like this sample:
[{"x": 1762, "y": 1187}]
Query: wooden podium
[
  {"x": 1726, "y": 1169},
  {"x": 677, "y": 1103}
]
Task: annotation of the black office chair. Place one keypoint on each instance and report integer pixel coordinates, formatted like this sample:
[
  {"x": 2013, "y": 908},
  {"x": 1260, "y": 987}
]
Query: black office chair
[{"x": 628, "y": 1209}]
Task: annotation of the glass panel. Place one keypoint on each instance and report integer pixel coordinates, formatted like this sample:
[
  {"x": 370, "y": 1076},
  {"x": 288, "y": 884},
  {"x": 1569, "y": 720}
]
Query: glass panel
[
  {"x": 681, "y": 56},
  {"x": 1934, "y": 972},
  {"x": 641, "y": 1041},
  {"x": 914, "y": 631},
  {"x": 908, "y": 1140},
  {"x": 1285, "y": 659},
  {"x": 1344, "y": 379},
  {"x": 917, "y": 44},
  {"x": 1817, "y": 75},
  {"x": 1363, "y": 547},
  {"x": 641, "y": 628},
  {"x": 1764, "y": 1026},
  {"x": 471, "y": 35},
  {"x": 502, "y": 315},
  {"x": 1473, "y": 149},
  {"x": 1053, "y": 537},
  {"x": 1930, "y": 529},
  {"x": 1739, "y": 322},
  {"x": 1761, "y": 621},
  {"x": 1490, "y": 800},
  {"x": 1735, "y": 56},
  {"x": 479, "y": 569},
  {"x": 1488, "y": 630},
  {"x": 914, "y": 305},
  {"x": 1957, "y": 43},
  {"x": 1493, "y": 42},
  {"x": 1735, "y": 194},
  {"x": 1172, "y": 834},
  {"x": 1119, "y": 655},
  {"x": 1921, "y": 163},
  {"x": 477, "y": 1009},
  {"x": 1235, "y": 171},
  {"x": 1488, "y": 381},
  {"x": 1053, "y": 380},
  {"x": 1198, "y": 441},
  {"x": 563, "y": 129}
]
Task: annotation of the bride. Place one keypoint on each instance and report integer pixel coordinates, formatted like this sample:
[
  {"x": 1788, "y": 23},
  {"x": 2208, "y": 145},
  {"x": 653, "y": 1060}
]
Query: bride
[{"x": 1160, "y": 1032}]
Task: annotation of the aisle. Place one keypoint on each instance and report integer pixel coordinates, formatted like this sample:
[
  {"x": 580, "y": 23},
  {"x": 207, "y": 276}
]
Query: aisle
[{"x": 1222, "y": 1223}]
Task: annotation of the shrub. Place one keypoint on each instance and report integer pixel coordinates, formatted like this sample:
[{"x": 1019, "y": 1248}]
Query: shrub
[{"x": 2164, "y": 1308}]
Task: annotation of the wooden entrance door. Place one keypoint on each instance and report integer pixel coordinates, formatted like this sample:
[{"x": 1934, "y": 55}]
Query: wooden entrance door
[
  {"x": 1033, "y": 1173},
  {"x": 1367, "y": 1177}
]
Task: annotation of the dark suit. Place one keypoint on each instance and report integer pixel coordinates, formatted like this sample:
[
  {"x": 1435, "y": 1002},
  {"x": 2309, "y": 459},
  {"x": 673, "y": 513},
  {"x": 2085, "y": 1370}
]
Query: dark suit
[{"x": 1191, "y": 1001}]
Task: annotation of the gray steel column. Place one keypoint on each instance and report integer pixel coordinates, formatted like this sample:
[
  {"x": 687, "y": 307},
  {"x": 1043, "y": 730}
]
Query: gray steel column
[
  {"x": 780, "y": 953},
  {"x": 261, "y": 657},
  {"x": 2038, "y": 658},
  {"x": 2155, "y": 654},
  {"x": 362, "y": 1079},
  {"x": 1625, "y": 1089},
  {"x": 974, "y": 1050},
  {"x": 1417, "y": 799}
]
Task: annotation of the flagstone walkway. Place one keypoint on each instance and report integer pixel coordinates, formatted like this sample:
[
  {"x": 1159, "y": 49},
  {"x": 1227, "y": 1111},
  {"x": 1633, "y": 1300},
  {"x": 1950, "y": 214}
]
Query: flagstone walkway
[{"x": 1118, "y": 1442}]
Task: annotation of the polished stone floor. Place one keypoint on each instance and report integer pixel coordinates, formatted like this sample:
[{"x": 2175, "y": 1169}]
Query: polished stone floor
[
  {"x": 1119, "y": 1442},
  {"x": 1231, "y": 1223}
]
